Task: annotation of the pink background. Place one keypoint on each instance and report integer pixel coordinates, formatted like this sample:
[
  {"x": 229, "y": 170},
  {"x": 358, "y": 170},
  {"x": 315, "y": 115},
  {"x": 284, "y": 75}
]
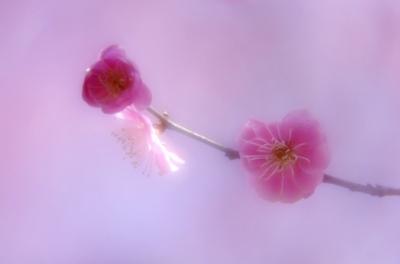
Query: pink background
[{"x": 68, "y": 196}]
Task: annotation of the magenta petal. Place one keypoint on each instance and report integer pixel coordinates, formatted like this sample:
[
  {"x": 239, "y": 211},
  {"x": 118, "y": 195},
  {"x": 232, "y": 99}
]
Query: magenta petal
[
  {"x": 142, "y": 96},
  {"x": 247, "y": 133},
  {"x": 246, "y": 138},
  {"x": 285, "y": 160},
  {"x": 318, "y": 157},
  {"x": 268, "y": 189},
  {"x": 113, "y": 83},
  {"x": 261, "y": 130},
  {"x": 250, "y": 145},
  {"x": 113, "y": 52},
  {"x": 308, "y": 181},
  {"x": 254, "y": 166},
  {"x": 303, "y": 127},
  {"x": 118, "y": 104},
  {"x": 90, "y": 80},
  {"x": 291, "y": 192}
]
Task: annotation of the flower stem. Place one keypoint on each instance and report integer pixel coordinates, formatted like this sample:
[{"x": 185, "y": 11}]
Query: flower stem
[
  {"x": 232, "y": 154},
  {"x": 168, "y": 123}
]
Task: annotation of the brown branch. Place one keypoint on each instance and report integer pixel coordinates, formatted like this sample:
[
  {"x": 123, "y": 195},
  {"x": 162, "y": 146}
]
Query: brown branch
[
  {"x": 168, "y": 123},
  {"x": 232, "y": 154},
  {"x": 374, "y": 190}
]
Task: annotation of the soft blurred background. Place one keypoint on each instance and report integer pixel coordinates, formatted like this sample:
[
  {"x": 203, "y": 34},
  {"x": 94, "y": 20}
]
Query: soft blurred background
[{"x": 68, "y": 196}]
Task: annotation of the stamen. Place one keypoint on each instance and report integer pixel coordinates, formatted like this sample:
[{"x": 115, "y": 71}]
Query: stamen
[
  {"x": 277, "y": 167},
  {"x": 262, "y": 140},
  {"x": 254, "y": 157},
  {"x": 267, "y": 169},
  {"x": 265, "y": 178},
  {"x": 291, "y": 169},
  {"x": 290, "y": 135},
  {"x": 272, "y": 135},
  {"x": 303, "y": 158},
  {"x": 265, "y": 147},
  {"x": 279, "y": 132},
  {"x": 293, "y": 178},
  {"x": 252, "y": 143},
  {"x": 299, "y": 145},
  {"x": 283, "y": 179}
]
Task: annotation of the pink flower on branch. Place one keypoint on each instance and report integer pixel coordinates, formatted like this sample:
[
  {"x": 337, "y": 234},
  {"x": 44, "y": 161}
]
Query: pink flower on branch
[
  {"x": 113, "y": 83},
  {"x": 143, "y": 145},
  {"x": 287, "y": 159}
]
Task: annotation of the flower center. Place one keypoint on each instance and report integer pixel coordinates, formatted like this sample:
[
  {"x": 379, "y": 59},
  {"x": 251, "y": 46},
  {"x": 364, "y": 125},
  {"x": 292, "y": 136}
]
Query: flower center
[
  {"x": 283, "y": 155},
  {"x": 116, "y": 83}
]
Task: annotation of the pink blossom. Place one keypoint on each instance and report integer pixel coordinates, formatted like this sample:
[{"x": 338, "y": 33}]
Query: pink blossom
[
  {"x": 286, "y": 160},
  {"x": 113, "y": 83},
  {"x": 142, "y": 144}
]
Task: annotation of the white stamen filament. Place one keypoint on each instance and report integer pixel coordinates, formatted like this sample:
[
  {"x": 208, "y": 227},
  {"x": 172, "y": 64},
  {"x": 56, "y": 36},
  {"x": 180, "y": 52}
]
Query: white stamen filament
[{"x": 277, "y": 156}]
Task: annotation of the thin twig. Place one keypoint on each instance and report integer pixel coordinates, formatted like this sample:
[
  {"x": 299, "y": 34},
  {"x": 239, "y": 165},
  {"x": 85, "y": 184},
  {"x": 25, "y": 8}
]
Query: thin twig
[
  {"x": 168, "y": 123},
  {"x": 374, "y": 190},
  {"x": 232, "y": 154}
]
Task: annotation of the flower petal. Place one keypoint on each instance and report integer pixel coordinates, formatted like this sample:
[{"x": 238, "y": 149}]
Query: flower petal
[
  {"x": 113, "y": 83},
  {"x": 142, "y": 96},
  {"x": 281, "y": 179},
  {"x": 148, "y": 148}
]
